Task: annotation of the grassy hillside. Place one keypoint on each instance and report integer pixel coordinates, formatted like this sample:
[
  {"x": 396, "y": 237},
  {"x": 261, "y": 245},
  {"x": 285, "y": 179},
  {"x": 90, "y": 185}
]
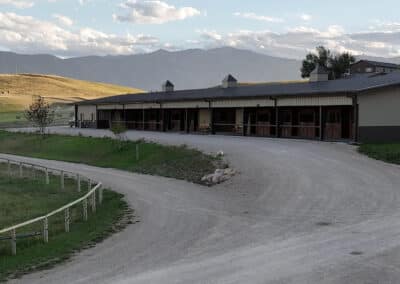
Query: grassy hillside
[{"x": 16, "y": 91}]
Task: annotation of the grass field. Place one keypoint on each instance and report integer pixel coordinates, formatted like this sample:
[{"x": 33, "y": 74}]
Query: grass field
[
  {"x": 27, "y": 198},
  {"x": 17, "y": 92},
  {"x": 385, "y": 152},
  {"x": 154, "y": 159}
]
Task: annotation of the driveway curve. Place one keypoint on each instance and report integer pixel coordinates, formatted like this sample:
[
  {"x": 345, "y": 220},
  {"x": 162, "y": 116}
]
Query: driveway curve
[{"x": 298, "y": 212}]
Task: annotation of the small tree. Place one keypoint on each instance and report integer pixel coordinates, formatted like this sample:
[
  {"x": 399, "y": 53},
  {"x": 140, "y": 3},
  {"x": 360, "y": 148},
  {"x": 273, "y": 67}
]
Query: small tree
[
  {"x": 119, "y": 131},
  {"x": 336, "y": 64},
  {"x": 40, "y": 114}
]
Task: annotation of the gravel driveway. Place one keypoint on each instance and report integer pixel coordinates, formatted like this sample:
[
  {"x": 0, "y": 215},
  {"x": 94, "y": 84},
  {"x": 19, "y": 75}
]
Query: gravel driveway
[{"x": 298, "y": 212}]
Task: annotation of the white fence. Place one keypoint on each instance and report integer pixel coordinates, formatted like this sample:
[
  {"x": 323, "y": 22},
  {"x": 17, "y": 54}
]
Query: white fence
[{"x": 90, "y": 198}]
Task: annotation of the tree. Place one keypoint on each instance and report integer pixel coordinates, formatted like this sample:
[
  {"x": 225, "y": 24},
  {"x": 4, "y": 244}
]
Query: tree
[
  {"x": 40, "y": 114},
  {"x": 336, "y": 64},
  {"x": 119, "y": 131},
  {"x": 321, "y": 57},
  {"x": 340, "y": 64}
]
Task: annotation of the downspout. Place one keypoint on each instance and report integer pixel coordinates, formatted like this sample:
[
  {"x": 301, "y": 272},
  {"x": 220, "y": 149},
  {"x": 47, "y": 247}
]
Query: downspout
[
  {"x": 276, "y": 117},
  {"x": 355, "y": 118}
]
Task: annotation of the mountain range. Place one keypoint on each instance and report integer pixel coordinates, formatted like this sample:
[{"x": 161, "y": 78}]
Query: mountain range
[{"x": 192, "y": 68}]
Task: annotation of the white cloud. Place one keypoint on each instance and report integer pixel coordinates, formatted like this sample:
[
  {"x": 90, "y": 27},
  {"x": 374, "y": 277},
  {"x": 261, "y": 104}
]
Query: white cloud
[
  {"x": 153, "y": 12},
  {"x": 306, "y": 17},
  {"x": 27, "y": 34},
  {"x": 296, "y": 42},
  {"x": 253, "y": 16},
  {"x": 63, "y": 20},
  {"x": 21, "y": 4}
]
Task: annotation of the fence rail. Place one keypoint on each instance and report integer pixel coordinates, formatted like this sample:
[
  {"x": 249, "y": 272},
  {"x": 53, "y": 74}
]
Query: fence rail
[{"x": 89, "y": 197}]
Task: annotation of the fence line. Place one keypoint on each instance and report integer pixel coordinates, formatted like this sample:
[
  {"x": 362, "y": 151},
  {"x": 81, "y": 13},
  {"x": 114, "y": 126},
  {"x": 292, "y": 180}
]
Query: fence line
[{"x": 90, "y": 196}]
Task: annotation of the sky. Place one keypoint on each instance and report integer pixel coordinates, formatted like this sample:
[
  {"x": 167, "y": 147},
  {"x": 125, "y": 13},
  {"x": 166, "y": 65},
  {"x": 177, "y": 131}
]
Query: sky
[{"x": 71, "y": 28}]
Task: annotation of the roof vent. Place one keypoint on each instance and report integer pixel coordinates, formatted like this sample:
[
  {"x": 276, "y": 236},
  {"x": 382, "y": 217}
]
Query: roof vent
[
  {"x": 229, "y": 82},
  {"x": 319, "y": 74},
  {"x": 168, "y": 86}
]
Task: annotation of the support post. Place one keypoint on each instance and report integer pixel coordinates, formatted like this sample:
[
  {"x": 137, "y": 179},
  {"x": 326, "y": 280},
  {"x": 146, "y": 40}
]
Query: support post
[
  {"x": 66, "y": 220},
  {"x": 20, "y": 170},
  {"x": 13, "y": 242},
  {"x": 46, "y": 230},
  {"x": 62, "y": 180},
  {"x": 93, "y": 202},
  {"x": 9, "y": 167},
  {"x": 142, "y": 119},
  {"x": 100, "y": 195},
  {"x": 78, "y": 181},
  {"x": 186, "y": 121},
  {"x": 47, "y": 178},
  {"x": 211, "y": 118},
  {"x": 321, "y": 124},
  {"x": 85, "y": 209},
  {"x": 89, "y": 184},
  {"x": 355, "y": 118},
  {"x": 276, "y": 120}
]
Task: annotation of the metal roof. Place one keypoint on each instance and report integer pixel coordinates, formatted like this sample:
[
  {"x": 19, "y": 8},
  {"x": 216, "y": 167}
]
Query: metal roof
[
  {"x": 350, "y": 85},
  {"x": 380, "y": 64}
]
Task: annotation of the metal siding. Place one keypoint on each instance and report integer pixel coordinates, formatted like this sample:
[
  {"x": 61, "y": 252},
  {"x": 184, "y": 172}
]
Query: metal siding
[
  {"x": 194, "y": 104},
  {"x": 315, "y": 101},
  {"x": 243, "y": 103},
  {"x": 87, "y": 112},
  {"x": 142, "y": 106},
  {"x": 380, "y": 108},
  {"x": 110, "y": 107}
]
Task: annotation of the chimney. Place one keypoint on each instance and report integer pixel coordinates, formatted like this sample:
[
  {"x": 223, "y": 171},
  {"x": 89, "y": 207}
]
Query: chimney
[
  {"x": 168, "y": 86},
  {"x": 229, "y": 82},
  {"x": 319, "y": 74}
]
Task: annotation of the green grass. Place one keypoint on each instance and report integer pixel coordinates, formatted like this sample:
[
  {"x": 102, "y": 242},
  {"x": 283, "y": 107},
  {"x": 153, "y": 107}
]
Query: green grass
[
  {"x": 385, "y": 152},
  {"x": 155, "y": 159},
  {"x": 24, "y": 199},
  {"x": 11, "y": 116}
]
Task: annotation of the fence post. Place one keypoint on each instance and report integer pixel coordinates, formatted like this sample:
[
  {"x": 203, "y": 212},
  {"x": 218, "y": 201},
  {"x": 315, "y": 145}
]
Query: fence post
[
  {"x": 100, "y": 195},
  {"x": 62, "y": 180},
  {"x": 20, "y": 170},
  {"x": 85, "y": 213},
  {"x": 46, "y": 230},
  {"x": 9, "y": 167},
  {"x": 47, "y": 176},
  {"x": 78, "y": 181},
  {"x": 89, "y": 184},
  {"x": 13, "y": 242},
  {"x": 67, "y": 220},
  {"x": 94, "y": 202}
]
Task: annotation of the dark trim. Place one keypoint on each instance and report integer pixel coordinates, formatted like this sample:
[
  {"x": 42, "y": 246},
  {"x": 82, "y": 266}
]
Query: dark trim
[
  {"x": 355, "y": 119},
  {"x": 379, "y": 134},
  {"x": 76, "y": 116}
]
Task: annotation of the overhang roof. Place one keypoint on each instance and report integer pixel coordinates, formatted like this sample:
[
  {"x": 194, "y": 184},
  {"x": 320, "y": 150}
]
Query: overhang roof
[{"x": 351, "y": 85}]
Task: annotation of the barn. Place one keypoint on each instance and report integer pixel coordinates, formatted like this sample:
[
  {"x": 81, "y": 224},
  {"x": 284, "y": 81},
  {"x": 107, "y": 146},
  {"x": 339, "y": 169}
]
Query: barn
[{"x": 358, "y": 108}]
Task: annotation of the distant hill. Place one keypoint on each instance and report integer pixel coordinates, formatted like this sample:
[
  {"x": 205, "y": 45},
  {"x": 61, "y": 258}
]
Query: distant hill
[
  {"x": 16, "y": 91},
  {"x": 194, "y": 68}
]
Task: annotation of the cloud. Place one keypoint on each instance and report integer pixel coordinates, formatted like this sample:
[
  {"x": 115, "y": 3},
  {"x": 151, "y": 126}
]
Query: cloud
[
  {"x": 296, "y": 42},
  {"x": 253, "y": 16},
  {"x": 20, "y": 4},
  {"x": 63, "y": 20},
  {"x": 27, "y": 34},
  {"x": 153, "y": 12},
  {"x": 306, "y": 17}
]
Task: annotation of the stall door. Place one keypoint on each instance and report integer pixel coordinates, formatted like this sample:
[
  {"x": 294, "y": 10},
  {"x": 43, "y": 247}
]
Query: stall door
[
  {"x": 307, "y": 123},
  {"x": 333, "y": 125},
  {"x": 286, "y": 127}
]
